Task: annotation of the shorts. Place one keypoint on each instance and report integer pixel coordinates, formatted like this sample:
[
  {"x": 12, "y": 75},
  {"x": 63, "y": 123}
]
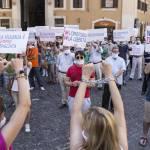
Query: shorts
[
  {"x": 147, "y": 112},
  {"x": 85, "y": 107}
]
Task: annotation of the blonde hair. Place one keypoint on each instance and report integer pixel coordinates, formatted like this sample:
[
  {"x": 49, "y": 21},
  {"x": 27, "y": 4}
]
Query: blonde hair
[{"x": 101, "y": 129}]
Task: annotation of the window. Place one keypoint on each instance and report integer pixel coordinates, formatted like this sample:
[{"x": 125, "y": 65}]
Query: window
[
  {"x": 77, "y": 3},
  {"x": 59, "y": 3},
  {"x": 5, "y": 23},
  {"x": 5, "y": 4},
  {"x": 59, "y": 22},
  {"x": 142, "y": 6},
  {"x": 109, "y": 3}
]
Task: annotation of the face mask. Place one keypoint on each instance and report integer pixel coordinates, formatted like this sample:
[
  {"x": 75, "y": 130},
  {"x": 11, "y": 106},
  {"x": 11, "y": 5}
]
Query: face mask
[
  {"x": 2, "y": 123},
  {"x": 79, "y": 62},
  {"x": 84, "y": 136},
  {"x": 67, "y": 51},
  {"x": 138, "y": 42},
  {"x": 114, "y": 55},
  {"x": 60, "y": 47}
]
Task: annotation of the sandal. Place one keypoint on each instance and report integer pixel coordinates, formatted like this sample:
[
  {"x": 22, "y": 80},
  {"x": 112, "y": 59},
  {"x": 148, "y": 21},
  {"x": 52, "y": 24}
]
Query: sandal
[{"x": 143, "y": 141}]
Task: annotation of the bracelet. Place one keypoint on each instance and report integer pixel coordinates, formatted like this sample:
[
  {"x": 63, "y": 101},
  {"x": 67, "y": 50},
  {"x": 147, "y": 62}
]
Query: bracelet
[
  {"x": 101, "y": 81},
  {"x": 20, "y": 76}
]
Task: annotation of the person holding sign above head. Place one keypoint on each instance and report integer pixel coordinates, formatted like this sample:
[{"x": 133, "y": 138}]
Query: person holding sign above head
[
  {"x": 138, "y": 52},
  {"x": 32, "y": 56},
  {"x": 64, "y": 61},
  {"x": 10, "y": 131}
]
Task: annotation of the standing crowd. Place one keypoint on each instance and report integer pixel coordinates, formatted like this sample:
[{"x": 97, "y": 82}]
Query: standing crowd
[{"x": 104, "y": 65}]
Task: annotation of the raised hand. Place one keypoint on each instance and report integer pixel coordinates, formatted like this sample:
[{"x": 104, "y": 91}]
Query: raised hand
[
  {"x": 87, "y": 70},
  {"x": 106, "y": 69},
  {"x": 17, "y": 64}
]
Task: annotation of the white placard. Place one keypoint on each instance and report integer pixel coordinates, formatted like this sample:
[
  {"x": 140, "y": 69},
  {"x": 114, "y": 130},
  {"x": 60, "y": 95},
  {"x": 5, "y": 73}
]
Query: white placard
[
  {"x": 2, "y": 28},
  {"x": 147, "y": 35},
  {"x": 14, "y": 29},
  {"x": 133, "y": 32},
  {"x": 71, "y": 26},
  {"x": 47, "y": 35},
  {"x": 39, "y": 28},
  {"x": 97, "y": 34},
  {"x": 138, "y": 50},
  {"x": 13, "y": 41},
  {"x": 59, "y": 31},
  {"x": 77, "y": 38},
  {"x": 147, "y": 48},
  {"x": 31, "y": 29},
  {"x": 121, "y": 35},
  {"x": 31, "y": 37}
]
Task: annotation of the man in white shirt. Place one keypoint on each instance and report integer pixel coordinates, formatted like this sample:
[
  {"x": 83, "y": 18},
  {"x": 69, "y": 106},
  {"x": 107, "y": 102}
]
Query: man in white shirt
[
  {"x": 118, "y": 67},
  {"x": 96, "y": 58},
  {"x": 64, "y": 61},
  {"x": 138, "y": 52}
]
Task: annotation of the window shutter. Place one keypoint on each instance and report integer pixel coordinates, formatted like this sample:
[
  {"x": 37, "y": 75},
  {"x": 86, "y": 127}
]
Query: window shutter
[
  {"x": 103, "y": 2},
  {"x": 115, "y": 3}
]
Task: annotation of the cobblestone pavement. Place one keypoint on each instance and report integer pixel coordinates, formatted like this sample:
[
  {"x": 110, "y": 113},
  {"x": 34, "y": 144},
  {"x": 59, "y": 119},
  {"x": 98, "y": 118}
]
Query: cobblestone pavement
[{"x": 50, "y": 125}]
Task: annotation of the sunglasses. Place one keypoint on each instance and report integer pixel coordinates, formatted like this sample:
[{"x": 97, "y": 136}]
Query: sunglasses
[{"x": 79, "y": 57}]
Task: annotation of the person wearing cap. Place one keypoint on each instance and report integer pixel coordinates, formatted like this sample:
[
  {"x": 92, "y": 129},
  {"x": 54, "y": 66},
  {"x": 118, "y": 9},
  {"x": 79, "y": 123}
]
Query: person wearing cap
[{"x": 64, "y": 61}]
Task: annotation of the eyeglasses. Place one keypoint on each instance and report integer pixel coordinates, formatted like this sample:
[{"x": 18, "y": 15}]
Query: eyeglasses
[{"x": 79, "y": 57}]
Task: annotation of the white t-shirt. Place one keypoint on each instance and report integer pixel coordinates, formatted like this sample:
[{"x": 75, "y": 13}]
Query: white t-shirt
[
  {"x": 15, "y": 83},
  {"x": 117, "y": 64}
]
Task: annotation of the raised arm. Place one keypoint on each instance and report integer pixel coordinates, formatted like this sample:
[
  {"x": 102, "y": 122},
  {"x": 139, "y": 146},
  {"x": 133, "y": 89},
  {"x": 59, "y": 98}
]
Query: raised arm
[
  {"x": 118, "y": 106},
  {"x": 12, "y": 128},
  {"x": 76, "y": 114}
]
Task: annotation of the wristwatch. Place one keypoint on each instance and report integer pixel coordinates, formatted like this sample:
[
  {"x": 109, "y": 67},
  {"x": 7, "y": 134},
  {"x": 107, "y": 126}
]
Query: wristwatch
[{"x": 20, "y": 74}]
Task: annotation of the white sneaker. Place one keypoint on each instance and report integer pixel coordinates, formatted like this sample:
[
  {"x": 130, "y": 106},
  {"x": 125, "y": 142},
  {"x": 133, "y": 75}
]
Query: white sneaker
[
  {"x": 42, "y": 88},
  {"x": 27, "y": 128},
  {"x": 31, "y": 88}
]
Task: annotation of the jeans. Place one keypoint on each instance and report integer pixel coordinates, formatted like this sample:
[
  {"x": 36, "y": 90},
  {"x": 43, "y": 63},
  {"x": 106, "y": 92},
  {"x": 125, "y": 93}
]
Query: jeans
[
  {"x": 106, "y": 99},
  {"x": 35, "y": 72}
]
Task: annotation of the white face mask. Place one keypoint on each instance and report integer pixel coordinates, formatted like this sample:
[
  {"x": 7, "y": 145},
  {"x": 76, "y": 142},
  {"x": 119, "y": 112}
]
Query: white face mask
[
  {"x": 114, "y": 55},
  {"x": 79, "y": 62},
  {"x": 67, "y": 51},
  {"x": 2, "y": 123}
]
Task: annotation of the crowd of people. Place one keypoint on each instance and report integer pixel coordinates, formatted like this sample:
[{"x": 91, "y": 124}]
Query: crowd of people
[{"x": 105, "y": 65}]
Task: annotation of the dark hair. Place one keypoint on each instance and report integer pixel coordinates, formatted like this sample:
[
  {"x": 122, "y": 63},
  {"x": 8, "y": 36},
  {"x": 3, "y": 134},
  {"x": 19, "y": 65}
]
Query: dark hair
[
  {"x": 80, "y": 53},
  {"x": 2, "y": 108}
]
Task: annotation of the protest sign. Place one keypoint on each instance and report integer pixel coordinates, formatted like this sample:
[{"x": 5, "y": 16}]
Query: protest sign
[
  {"x": 13, "y": 41},
  {"x": 133, "y": 32},
  {"x": 77, "y": 38},
  {"x": 39, "y": 28},
  {"x": 31, "y": 37},
  {"x": 59, "y": 31},
  {"x": 14, "y": 29},
  {"x": 121, "y": 35},
  {"x": 147, "y": 35},
  {"x": 97, "y": 34},
  {"x": 137, "y": 50},
  {"x": 147, "y": 47},
  {"x": 47, "y": 35},
  {"x": 71, "y": 26},
  {"x": 2, "y": 28},
  {"x": 31, "y": 29}
]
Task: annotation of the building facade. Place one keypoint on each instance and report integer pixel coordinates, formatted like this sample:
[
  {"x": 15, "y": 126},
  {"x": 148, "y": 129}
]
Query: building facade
[{"x": 111, "y": 14}]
